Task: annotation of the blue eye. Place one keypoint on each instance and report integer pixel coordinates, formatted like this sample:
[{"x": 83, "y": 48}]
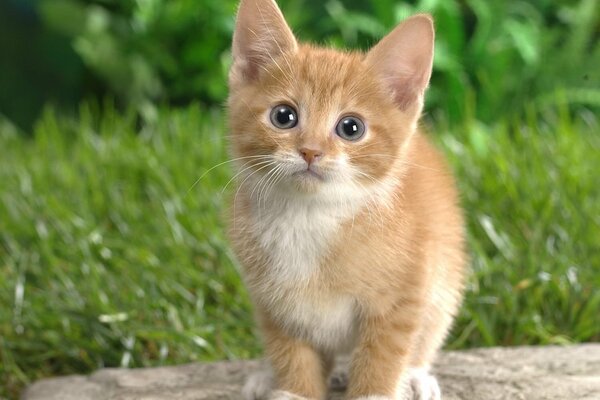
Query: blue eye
[
  {"x": 350, "y": 128},
  {"x": 284, "y": 117}
]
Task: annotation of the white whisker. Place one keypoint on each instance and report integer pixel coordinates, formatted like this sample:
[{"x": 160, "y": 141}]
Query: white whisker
[
  {"x": 218, "y": 165},
  {"x": 268, "y": 185},
  {"x": 242, "y": 184},
  {"x": 402, "y": 160},
  {"x": 244, "y": 170}
]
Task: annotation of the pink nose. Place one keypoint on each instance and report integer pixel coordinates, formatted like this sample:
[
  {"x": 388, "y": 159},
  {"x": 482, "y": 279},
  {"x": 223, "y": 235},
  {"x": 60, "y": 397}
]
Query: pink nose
[{"x": 310, "y": 155}]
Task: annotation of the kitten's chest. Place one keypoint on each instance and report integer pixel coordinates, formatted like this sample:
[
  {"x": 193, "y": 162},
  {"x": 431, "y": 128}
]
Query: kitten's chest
[
  {"x": 295, "y": 238},
  {"x": 328, "y": 320},
  {"x": 297, "y": 287}
]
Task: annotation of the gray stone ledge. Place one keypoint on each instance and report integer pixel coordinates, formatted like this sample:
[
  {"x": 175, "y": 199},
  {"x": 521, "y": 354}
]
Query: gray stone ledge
[{"x": 527, "y": 373}]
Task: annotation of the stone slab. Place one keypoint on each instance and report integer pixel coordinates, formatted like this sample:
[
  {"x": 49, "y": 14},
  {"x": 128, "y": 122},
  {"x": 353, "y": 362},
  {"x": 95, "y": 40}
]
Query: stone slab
[{"x": 518, "y": 373}]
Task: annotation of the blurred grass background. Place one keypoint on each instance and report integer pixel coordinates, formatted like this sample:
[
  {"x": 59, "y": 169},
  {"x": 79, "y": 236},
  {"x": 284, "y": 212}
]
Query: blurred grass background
[{"x": 110, "y": 111}]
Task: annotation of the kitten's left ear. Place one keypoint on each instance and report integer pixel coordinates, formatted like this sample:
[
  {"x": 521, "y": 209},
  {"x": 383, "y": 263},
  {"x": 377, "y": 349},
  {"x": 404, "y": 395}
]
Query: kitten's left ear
[
  {"x": 261, "y": 35},
  {"x": 403, "y": 60}
]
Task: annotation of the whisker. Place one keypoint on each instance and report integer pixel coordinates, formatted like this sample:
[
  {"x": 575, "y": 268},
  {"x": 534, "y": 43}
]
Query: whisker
[
  {"x": 243, "y": 170},
  {"x": 257, "y": 185},
  {"x": 242, "y": 184},
  {"x": 268, "y": 185},
  {"x": 377, "y": 142},
  {"x": 218, "y": 165},
  {"x": 402, "y": 160}
]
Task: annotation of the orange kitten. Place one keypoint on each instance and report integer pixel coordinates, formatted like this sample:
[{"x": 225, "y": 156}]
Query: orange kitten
[{"x": 345, "y": 218}]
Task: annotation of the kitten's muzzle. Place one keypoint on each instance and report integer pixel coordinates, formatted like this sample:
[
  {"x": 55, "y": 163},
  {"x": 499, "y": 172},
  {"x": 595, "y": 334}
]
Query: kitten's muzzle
[{"x": 310, "y": 173}]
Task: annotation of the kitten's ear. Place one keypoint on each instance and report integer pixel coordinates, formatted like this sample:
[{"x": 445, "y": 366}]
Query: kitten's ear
[
  {"x": 261, "y": 35},
  {"x": 403, "y": 59}
]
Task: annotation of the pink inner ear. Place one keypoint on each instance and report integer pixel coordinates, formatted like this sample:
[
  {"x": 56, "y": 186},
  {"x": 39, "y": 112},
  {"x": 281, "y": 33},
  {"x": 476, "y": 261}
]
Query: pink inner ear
[
  {"x": 403, "y": 59},
  {"x": 261, "y": 35}
]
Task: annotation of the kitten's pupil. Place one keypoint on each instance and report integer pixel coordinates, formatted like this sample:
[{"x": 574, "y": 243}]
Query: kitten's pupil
[
  {"x": 284, "y": 117},
  {"x": 350, "y": 128}
]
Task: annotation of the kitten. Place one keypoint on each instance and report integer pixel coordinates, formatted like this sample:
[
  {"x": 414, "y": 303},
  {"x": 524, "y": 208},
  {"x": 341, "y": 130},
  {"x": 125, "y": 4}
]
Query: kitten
[{"x": 345, "y": 218}]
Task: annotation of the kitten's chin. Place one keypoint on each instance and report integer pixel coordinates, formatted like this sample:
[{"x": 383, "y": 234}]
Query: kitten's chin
[{"x": 307, "y": 181}]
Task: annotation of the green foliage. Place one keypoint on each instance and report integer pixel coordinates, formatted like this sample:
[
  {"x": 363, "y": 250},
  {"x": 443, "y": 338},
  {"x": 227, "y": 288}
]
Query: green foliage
[
  {"x": 168, "y": 50},
  {"x": 504, "y": 55},
  {"x": 112, "y": 251},
  {"x": 534, "y": 229}
]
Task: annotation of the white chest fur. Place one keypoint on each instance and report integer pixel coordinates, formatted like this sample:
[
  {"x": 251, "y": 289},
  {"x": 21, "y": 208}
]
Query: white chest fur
[
  {"x": 295, "y": 237},
  {"x": 328, "y": 321}
]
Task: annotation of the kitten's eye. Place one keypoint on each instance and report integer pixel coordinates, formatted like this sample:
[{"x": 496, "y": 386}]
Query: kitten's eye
[
  {"x": 350, "y": 128},
  {"x": 284, "y": 117}
]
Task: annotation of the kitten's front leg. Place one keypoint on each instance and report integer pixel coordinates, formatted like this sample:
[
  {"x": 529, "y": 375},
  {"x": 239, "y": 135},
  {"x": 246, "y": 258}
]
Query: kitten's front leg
[
  {"x": 381, "y": 357},
  {"x": 298, "y": 368}
]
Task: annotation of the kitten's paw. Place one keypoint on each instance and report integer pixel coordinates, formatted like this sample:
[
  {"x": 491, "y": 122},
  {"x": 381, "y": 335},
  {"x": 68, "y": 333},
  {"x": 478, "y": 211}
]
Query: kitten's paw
[
  {"x": 258, "y": 386},
  {"x": 282, "y": 395},
  {"x": 424, "y": 385},
  {"x": 373, "y": 398}
]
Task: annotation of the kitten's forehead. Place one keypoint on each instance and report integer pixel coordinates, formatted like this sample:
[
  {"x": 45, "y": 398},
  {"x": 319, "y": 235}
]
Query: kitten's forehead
[
  {"x": 329, "y": 70},
  {"x": 322, "y": 76}
]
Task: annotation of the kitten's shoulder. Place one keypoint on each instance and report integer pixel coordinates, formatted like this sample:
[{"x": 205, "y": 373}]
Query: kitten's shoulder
[
  {"x": 426, "y": 159},
  {"x": 429, "y": 183}
]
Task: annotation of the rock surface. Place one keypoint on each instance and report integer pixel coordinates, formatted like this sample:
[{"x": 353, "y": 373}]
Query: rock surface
[{"x": 528, "y": 373}]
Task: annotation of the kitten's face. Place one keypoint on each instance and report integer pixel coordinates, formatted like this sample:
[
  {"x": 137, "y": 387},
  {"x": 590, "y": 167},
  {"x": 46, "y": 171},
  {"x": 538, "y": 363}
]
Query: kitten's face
[{"x": 318, "y": 121}]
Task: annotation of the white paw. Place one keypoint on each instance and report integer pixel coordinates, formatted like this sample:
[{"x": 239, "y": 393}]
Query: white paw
[
  {"x": 374, "y": 398},
  {"x": 258, "y": 386},
  {"x": 424, "y": 385},
  {"x": 281, "y": 395}
]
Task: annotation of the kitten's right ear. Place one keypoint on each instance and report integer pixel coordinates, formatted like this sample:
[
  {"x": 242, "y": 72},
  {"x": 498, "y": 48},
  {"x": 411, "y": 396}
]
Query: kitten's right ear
[{"x": 261, "y": 35}]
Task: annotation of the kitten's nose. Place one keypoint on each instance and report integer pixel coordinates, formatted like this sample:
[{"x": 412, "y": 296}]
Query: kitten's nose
[{"x": 310, "y": 155}]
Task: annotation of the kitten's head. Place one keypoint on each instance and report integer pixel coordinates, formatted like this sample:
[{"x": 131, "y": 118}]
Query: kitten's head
[{"x": 319, "y": 121}]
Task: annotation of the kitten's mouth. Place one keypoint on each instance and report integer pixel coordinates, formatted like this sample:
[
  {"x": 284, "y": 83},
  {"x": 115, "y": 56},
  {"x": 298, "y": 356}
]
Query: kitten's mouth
[{"x": 309, "y": 173}]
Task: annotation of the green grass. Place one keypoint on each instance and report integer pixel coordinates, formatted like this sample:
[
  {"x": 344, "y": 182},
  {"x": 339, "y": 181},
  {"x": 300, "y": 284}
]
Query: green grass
[{"x": 111, "y": 256}]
